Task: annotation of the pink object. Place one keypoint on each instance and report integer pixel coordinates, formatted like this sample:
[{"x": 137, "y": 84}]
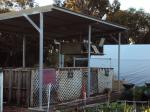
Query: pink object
[{"x": 49, "y": 76}]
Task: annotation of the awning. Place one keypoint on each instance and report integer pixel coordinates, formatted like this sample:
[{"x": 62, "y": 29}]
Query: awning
[{"x": 58, "y": 23}]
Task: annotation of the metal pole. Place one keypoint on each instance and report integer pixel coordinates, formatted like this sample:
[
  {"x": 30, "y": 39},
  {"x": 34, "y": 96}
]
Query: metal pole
[
  {"x": 74, "y": 61},
  {"x": 62, "y": 60},
  {"x": 49, "y": 97},
  {"x": 10, "y": 85},
  {"x": 41, "y": 61},
  {"x": 89, "y": 56},
  {"x": 1, "y": 90},
  {"x": 24, "y": 52},
  {"x": 40, "y": 30},
  {"x": 119, "y": 43},
  {"x": 59, "y": 56}
]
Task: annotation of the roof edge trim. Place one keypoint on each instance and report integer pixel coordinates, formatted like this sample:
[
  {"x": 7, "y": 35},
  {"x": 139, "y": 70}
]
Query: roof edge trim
[
  {"x": 88, "y": 17},
  {"x": 15, "y": 14}
]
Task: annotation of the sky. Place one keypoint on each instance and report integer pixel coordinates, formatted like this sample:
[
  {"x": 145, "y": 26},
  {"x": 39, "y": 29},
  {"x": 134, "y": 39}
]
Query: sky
[
  {"x": 125, "y": 4},
  {"x": 137, "y": 4}
]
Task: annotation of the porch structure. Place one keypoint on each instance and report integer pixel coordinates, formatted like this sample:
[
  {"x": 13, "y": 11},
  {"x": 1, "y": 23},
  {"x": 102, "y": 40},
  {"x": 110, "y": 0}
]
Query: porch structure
[{"x": 51, "y": 23}]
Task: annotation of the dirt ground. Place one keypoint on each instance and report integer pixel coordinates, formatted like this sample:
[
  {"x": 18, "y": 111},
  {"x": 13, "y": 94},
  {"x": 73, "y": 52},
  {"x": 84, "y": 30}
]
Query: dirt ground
[{"x": 14, "y": 109}]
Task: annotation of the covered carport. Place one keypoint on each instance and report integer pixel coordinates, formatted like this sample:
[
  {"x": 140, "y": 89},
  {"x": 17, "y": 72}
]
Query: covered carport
[{"x": 55, "y": 23}]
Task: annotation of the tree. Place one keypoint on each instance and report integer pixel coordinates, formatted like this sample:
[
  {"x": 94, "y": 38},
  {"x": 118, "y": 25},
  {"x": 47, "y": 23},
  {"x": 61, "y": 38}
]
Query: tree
[
  {"x": 74, "y": 5},
  {"x": 91, "y": 7},
  {"x": 99, "y": 7},
  {"x": 58, "y": 3},
  {"x": 26, "y": 3},
  {"x": 136, "y": 20},
  {"x": 115, "y": 6},
  {"x": 9, "y": 5}
]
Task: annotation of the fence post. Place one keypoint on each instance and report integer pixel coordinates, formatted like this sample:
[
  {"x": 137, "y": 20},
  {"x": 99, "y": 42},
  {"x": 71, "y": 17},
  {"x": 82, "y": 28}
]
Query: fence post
[
  {"x": 89, "y": 57},
  {"x": 1, "y": 90},
  {"x": 10, "y": 72},
  {"x": 18, "y": 87},
  {"x": 49, "y": 97}
]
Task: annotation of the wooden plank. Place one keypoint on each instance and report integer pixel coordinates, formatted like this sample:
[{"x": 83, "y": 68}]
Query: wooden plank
[
  {"x": 17, "y": 86},
  {"x": 32, "y": 86},
  {"x": 92, "y": 100},
  {"x": 18, "y": 76},
  {"x": 27, "y": 87},
  {"x": 5, "y": 83},
  {"x": 10, "y": 85},
  {"x": 95, "y": 49}
]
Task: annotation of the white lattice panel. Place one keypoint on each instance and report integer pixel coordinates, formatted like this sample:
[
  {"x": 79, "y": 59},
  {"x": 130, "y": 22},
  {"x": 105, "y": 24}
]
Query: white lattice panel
[
  {"x": 35, "y": 90},
  {"x": 69, "y": 87},
  {"x": 104, "y": 79}
]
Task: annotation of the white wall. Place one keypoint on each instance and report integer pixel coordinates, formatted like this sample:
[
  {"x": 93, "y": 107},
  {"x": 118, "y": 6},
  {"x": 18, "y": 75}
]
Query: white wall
[{"x": 135, "y": 62}]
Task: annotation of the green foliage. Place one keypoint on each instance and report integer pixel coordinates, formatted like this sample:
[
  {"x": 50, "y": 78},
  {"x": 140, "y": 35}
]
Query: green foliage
[
  {"x": 115, "y": 6},
  {"x": 137, "y": 21},
  {"x": 96, "y": 8},
  {"x": 58, "y": 3},
  {"x": 4, "y": 10},
  {"x": 118, "y": 107},
  {"x": 139, "y": 92},
  {"x": 127, "y": 95},
  {"x": 113, "y": 107},
  {"x": 99, "y": 7},
  {"x": 11, "y": 5},
  {"x": 91, "y": 7}
]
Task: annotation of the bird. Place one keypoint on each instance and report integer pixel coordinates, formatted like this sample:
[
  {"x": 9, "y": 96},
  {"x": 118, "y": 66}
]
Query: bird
[{"x": 104, "y": 17}]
